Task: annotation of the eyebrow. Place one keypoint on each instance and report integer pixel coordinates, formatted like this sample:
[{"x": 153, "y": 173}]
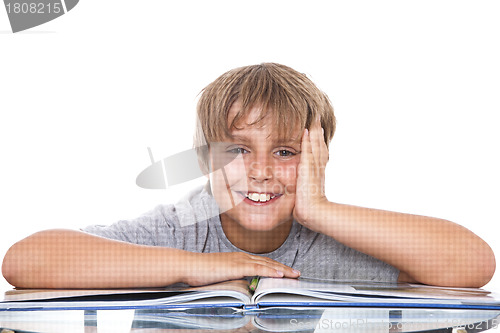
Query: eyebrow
[
  {"x": 290, "y": 141},
  {"x": 281, "y": 142}
]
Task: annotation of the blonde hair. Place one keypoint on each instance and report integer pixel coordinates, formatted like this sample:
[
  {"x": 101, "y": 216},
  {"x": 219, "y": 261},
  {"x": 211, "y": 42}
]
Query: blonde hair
[{"x": 290, "y": 97}]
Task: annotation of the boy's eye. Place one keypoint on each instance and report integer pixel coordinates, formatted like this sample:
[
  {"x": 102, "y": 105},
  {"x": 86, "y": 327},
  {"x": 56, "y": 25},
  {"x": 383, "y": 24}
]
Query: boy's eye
[
  {"x": 237, "y": 150},
  {"x": 284, "y": 153}
]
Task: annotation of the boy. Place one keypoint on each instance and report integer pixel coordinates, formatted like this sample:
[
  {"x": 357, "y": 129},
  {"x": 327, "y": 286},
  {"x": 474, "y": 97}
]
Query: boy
[{"x": 267, "y": 128}]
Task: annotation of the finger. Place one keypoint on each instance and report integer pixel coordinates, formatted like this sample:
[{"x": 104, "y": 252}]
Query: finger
[
  {"x": 286, "y": 270},
  {"x": 305, "y": 151},
  {"x": 320, "y": 148},
  {"x": 306, "y": 142},
  {"x": 317, "y": 141},
  {"x": 291, "y": 273},
  {"x": 274, "y": 264},
  {"x": 320, "y": 143},
  {"x": 326, "y": 154},
  {"x": 273, "y": 270}
]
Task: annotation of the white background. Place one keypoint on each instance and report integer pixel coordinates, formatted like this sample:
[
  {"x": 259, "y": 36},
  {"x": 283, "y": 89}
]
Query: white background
[{"x": 415, "y": 86}]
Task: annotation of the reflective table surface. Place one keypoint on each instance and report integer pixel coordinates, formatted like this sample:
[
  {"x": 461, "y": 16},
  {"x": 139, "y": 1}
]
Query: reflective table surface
[{"x": 268, "y": 320}]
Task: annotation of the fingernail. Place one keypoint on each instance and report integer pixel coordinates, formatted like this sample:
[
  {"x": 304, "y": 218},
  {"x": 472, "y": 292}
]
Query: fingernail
[
  {"x": 280, "y": 273},
  {"x": 295, "y": 271}
]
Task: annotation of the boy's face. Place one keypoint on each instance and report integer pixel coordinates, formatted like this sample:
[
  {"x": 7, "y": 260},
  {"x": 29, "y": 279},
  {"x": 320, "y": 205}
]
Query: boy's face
[{"x": 257, "y": 190}]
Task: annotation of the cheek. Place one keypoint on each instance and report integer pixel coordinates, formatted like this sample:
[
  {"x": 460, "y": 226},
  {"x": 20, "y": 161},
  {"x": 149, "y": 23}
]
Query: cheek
[
  {"x": 230, "y": 173},
  {"x": 286, "y": 174},
  {"x": 236, "y": 172}
]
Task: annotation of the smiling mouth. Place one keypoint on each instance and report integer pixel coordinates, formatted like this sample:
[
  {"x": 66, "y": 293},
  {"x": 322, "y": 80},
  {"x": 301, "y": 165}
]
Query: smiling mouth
[{"x": 260, "y": 197}]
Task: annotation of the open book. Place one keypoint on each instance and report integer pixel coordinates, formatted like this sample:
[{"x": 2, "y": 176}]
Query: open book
[{"x": 286, "y": 293}]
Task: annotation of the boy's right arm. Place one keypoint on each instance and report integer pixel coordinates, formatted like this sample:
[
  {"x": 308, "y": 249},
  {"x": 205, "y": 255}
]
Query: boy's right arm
[{"x": 73, "y": 259}]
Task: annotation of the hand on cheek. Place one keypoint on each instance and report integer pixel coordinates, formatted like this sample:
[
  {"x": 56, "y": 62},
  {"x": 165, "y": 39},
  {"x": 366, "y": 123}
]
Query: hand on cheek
[{"x": 310, "y": 192}]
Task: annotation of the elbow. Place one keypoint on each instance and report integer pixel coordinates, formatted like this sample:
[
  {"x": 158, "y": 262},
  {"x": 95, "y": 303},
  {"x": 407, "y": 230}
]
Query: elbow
[
  {"x": 486, "y": 267},
  {"x": 24, "y": 262},
  {"x": 476, "y": 265},
  {"x": 12, "y": 266},
  {"x": 477, "y": 271},
  {"x": 21, "y": 270},
  {"x": 472, "y": 269}
]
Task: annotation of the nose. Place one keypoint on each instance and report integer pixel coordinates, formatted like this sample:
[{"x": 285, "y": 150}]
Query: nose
[{"x": 260, "y": 169}]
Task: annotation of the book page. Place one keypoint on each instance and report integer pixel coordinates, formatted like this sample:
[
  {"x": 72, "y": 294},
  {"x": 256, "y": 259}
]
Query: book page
[
  {"x": 240, "y": 286},
  {"x": 298, "y": 290}
]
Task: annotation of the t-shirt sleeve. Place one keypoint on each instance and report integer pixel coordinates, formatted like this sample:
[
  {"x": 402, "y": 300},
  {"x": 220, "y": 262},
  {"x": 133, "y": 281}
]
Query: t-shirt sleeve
[
  {"x": 327, "y": 258},
  {"x": 155, "y": 228}
]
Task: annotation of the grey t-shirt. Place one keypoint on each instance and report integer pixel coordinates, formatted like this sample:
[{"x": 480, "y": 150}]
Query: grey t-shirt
[{"x": 194, "y": 225}]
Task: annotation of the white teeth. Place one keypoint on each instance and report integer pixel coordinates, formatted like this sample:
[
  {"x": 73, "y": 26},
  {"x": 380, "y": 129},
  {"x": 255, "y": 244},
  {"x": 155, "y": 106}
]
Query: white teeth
[{"x": 259, "y": 197}]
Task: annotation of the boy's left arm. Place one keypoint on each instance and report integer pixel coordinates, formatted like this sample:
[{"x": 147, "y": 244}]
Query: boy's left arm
[{"x": 424, "y": 249}]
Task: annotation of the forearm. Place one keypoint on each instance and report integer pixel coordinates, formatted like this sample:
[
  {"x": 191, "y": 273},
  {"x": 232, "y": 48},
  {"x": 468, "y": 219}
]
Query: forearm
[
  {"x": 430, "y": 250},
  {"x": 71, "y": 259}
]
